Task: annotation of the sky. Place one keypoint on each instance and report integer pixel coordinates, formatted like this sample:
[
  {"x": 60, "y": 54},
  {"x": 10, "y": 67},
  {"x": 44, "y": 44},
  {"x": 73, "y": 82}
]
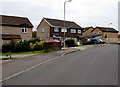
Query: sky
[{"x": 85, "y": 13}]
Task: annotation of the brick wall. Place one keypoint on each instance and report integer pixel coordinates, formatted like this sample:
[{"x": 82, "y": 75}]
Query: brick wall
[
  {"x": 14, "y": 30},
  {"x": 43, "y": 35},
  {"x": 18, "y": 30}
]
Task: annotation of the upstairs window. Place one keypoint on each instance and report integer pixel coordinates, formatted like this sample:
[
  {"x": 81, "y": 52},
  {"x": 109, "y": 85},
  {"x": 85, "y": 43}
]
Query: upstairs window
[
  {"x": 63, "y": 30},
  {"x": 99, "y": 32},
  {"x": 24, "y": 30},
  {"x": 73, "y": 30},
  {"x": 79, "y": 31},
  {"x": 56, "y": 29},
  {"x": 95, "y": 33},
  {"x": 43, "y": 30}
]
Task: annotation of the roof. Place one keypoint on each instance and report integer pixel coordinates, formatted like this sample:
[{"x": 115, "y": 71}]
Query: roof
[
  {"x": 86, "y": 28},
  {"x": 15, "y": 21},
  {"x": 107, "y": 29},
  {"x": 60, "y": 23}
]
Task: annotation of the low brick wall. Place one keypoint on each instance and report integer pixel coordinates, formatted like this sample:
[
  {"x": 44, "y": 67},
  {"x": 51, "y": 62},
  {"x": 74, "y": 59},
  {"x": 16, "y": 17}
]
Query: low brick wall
[{"x": 52, "y": 46}]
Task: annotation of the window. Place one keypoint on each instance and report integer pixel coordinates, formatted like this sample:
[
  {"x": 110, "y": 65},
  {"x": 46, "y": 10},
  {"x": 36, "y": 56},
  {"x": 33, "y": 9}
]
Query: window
[
  {"x": 95, "y": 33},
  {"x": 63, "y": 30},
  {"x": 56, "y": 29},
  {"x": 43, "y": 30},
  {"x": 79, "y": 31},
  {"x": 99, "y": 32},
  {"x": 24, "y": 30},
  {"x": 73, "y": 30}
]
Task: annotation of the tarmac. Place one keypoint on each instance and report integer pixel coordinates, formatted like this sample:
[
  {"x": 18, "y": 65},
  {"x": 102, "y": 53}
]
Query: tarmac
[{"x": 11, "y": 68}]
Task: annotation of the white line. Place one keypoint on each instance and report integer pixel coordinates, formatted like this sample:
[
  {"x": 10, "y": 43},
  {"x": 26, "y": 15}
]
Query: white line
[
  {"x": 32, "y": 67},
  {"x": 29, "y": 68}
]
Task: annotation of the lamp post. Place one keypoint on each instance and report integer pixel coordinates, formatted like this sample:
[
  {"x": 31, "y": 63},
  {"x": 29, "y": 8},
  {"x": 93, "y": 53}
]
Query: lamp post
[
  {"x": 108, "y": 31},
  {"x": 64, "y": 19}
]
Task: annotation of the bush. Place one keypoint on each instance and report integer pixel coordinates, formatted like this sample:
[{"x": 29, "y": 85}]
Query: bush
[
  {"x": 34, "y": 40},
  {"x": 37, "y": 46},
  {"x": 70, "y": 42},
  {"x": 24, "y": 46},
  {"x": 5, "y": 48},
  {"x": 76, "y": 44}
]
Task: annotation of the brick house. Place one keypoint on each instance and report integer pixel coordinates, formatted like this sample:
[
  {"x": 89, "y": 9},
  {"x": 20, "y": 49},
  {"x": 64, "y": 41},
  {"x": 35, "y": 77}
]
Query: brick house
[
  {"x": 17, "y": 28},
  {"x": 119, "y": 37},
  {"x": 54, "y": 29},
  {"x": 87, "y": 31},
  {"x": 107, "y": 34}
]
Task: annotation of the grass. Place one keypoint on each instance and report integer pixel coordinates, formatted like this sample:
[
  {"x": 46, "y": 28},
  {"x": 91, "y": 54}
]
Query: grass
[
  {"x": 8, "y": 58},
  {"x": 20, "y": 53},
  {"x": 84, "y": 45}
]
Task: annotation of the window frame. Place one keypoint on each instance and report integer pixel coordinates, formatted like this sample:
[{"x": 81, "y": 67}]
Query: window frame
[
  {"x": 24, "y": 30},
  {"x": 73, "y": 31},
  {"x": 56, "y": 29},
  {"x": 65, "y": 30},
  {"x": 79, "y": 31},
  {"x": 43, "y": 30},
  {"x": 99, "y": 32}
]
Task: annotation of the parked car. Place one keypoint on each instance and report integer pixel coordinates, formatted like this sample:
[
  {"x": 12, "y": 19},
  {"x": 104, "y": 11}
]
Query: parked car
[
  {"x": 118, "y": 42},
  {"x": 95, "y": 41},
  {"x": 53, "y": 40}
]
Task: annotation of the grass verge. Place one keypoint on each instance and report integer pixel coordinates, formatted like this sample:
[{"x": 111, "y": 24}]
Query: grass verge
[
  {"x": 20, "y": 53},
  {"x": 84, "y": 45}
]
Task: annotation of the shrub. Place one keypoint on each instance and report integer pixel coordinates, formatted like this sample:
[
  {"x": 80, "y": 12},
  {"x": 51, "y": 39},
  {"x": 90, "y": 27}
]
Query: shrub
[
  {"x": 34, "y": 40},
  {"x": 37, "y": 46},
  {"x": 5, "y": 48},
  {"x": 22, "y": 46},
  {"x": 70, "y": 42},
  {"x": 76, "y": 44},
  {"x": 28, "y": 45},
  {"x": 8, "y": 47}
]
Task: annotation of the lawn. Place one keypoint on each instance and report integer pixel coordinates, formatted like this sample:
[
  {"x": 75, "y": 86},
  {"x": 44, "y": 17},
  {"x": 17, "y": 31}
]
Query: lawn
[{"x": 20, "y": 53}]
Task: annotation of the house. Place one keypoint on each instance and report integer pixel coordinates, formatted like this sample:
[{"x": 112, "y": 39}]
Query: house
[
  {"x": 17, "y": 28},
  {"x": 107, "y": 34},
  {"x": 34, "y": 34},
  {"x": 87, "y": 31},
  {"x": 119, "y": 37},
  {"x": 54, "y": 29}
]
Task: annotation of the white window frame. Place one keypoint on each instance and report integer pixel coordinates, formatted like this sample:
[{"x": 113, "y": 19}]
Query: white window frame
[
  {"x": 95, "y": 33},
  {"x": 56, "y": 29},
  {"x": 43, "y": 30},
  {"x": 73, "y": 30},
  {"x": 79, "y": 31},
  {"x": 63, "y": 30},
  {"x": 99, "y": 32},
  {"x": 24, "y": 30}
]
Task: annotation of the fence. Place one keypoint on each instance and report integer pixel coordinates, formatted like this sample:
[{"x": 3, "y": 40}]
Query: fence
[{"x": 52, "y": 46}]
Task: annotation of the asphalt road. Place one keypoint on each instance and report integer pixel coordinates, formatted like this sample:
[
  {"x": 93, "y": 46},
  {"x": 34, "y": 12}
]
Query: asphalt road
[{"x": 93, "y": 66}]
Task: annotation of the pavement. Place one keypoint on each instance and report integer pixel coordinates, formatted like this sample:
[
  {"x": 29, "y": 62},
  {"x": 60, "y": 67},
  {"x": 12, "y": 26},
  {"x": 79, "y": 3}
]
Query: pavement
[{"x": 11, "y": 68}]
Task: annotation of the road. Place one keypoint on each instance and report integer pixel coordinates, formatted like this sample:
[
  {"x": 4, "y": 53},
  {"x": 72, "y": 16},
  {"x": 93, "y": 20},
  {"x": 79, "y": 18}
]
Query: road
[{"x": 93, "y": 66}]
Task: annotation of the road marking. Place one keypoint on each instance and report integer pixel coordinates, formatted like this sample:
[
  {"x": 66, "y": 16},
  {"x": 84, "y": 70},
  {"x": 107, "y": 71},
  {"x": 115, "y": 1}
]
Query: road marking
[
  {"x": 30, "y": 68},
  {"x": 34, "y": 67}
]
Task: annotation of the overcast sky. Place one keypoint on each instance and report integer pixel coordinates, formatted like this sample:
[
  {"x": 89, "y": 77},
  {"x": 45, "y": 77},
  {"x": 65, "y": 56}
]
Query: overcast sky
[{"x": 84, "y": 12}]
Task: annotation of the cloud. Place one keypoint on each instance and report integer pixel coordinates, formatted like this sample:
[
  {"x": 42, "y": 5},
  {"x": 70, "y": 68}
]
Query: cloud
[{"x": 83, "y": 12}]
